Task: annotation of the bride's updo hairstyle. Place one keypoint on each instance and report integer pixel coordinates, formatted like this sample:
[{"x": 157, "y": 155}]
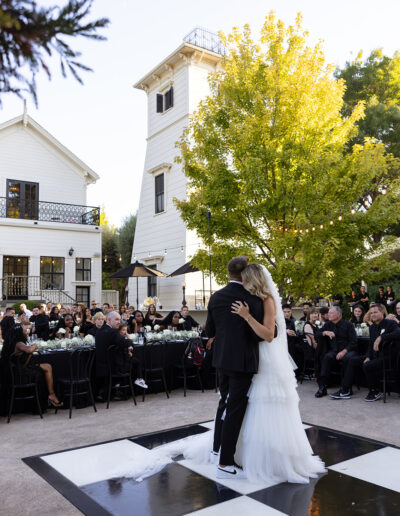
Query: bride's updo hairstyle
[{"x": 254, "y": 281}]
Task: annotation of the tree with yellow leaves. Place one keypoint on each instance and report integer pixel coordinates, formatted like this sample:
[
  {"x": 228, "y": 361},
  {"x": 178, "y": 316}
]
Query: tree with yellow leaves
[{"x": 267, "y": 150}]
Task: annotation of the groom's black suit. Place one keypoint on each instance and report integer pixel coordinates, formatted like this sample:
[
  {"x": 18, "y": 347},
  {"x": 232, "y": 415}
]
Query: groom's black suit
[{"x": 236, "y": 358}]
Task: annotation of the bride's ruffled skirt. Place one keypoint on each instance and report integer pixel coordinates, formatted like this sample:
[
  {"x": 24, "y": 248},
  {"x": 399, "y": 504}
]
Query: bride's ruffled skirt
[{"x": 272, "y": 446}]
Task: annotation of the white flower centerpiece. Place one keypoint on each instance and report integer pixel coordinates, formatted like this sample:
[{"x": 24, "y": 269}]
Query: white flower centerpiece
[
  {"x": 364, "y": 329},
  {"x": 156, "y": 327},
  {"x": 76, "y": 330},
  {"x": 89, "y": 340},
  {"x": 181, "y": 320},
  {"x": 61, "y": 331}
]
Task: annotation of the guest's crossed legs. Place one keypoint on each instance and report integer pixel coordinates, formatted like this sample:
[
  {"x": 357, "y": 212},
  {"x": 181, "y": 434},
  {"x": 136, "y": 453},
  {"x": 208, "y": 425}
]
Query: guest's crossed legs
[{"x": 233, "y": 387}]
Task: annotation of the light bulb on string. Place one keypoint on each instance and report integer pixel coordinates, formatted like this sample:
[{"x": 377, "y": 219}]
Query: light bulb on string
[
  {"x": 307, "y": 230},
  {"x": 134, "y": 257},
  {"x": 120, "y": 258},
  {"x": 313, "y": 228},
  {"x": 149, "y": 254},
  {"x": 182, "y": 249},
  {"x": 331, "y": 221},
  {"x": 366, "y": 202},
  {"x": 165, "y": 251},
  {"x": 340, "y": 216},
  {"x": 384, "y": 190},
  {"x": 321, "y": 226},
  {"x": 105, "y": 259},
  {"x": 352, "y": 209}
]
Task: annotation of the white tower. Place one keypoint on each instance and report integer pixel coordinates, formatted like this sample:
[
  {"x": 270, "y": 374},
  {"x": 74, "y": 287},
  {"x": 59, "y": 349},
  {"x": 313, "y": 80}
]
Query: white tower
[{"x": 174, "y": 89}]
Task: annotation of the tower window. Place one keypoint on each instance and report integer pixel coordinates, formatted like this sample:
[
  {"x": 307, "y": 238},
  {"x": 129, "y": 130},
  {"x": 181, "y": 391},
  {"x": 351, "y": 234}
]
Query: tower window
[
  {"x": 165, "y": 101},
  {"x": 159, "y": 193}
]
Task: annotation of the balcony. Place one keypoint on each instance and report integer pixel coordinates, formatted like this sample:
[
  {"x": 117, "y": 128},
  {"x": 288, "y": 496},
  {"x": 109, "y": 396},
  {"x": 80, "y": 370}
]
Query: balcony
[
  {"x": 203, "y": 38},
  {"x": 49, "y": 211}
]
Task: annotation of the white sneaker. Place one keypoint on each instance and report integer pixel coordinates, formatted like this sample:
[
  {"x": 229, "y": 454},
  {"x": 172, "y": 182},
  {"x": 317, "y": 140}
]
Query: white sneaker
[
  {"x": 230, "y": 472},
  {"x": 214, "y": 457},
  {"x": 141, "y": 383}
]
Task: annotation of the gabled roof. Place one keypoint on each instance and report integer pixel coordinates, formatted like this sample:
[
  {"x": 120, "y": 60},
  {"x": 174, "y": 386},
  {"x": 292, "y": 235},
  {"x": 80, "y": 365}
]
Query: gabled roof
[{"x": 26, "y": 120}]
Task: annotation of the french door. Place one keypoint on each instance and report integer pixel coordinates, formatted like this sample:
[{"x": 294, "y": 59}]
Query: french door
[
  {"x": 15, "y": 272},
  {"x": 22, "y": 199}
]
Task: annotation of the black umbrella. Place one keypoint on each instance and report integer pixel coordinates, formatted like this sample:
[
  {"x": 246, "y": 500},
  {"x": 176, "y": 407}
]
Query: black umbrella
[
  {"x": 184, "y": 269},
  {"x": 137, "y": 270}
]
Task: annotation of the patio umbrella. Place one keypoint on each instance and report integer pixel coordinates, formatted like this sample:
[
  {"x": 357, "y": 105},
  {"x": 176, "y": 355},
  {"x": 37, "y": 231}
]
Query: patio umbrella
[
  {"x": 184, "y": 269},
  {"x": 137, "y": 270}
]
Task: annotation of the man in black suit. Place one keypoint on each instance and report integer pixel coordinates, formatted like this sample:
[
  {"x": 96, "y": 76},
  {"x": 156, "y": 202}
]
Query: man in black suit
[
  {"x": 107, "y": 336},
  {"x": 236, "y": 359}
]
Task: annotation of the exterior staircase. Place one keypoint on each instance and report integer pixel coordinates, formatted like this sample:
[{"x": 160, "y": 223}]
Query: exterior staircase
[{"x": 17, "y": 288}]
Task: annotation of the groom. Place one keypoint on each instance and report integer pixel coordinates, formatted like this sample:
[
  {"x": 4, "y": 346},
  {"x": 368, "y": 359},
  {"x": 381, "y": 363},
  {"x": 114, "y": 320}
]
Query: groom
[{"x": 236, "y": 359}]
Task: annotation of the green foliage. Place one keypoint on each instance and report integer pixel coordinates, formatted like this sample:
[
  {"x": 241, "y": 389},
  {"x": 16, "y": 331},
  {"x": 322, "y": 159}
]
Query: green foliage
[
  {"x": 29, "y": 34},
  {"x": 126, "y": 234},
  {"x": 30, "y": 304},
  {"x": 376, "y": 82},
  {"x": 268, "y": 150}
]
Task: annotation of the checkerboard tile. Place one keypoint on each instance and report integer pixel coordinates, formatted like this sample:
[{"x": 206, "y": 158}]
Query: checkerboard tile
[{"x": 363, "y": 476}]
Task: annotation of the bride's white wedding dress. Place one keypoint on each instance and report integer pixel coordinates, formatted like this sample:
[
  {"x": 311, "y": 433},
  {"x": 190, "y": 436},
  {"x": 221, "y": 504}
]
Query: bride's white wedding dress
[{"x": 272, "y": 446}]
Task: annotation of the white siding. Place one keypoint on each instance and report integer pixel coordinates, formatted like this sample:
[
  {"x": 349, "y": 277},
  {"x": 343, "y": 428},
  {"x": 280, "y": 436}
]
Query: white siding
[
  {"x": 26, "y": 156},
  {"x": 157, "y": 232}
]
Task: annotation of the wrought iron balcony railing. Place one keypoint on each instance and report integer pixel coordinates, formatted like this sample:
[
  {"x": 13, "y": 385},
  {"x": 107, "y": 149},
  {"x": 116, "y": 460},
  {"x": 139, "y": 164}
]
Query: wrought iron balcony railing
[
  {"x": 203, "y": 38},
  {"x": 49, "y": 211},
  {"x": 33, "y": 287}
]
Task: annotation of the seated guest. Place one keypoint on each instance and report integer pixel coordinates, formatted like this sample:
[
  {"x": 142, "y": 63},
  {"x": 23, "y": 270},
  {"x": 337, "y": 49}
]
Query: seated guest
[
  {"x": 306, "y": 308},
  {"x": 7, "y": 324},
  {"x": 106, "y": 308},
  {"x": 18, "y": 344},
  {"x": 40, "y": 322},
  {"x": 23, "y": 309},
  {"x": 353, "y": 299},
  {"x": 152, "y": 317},
  {"x": 80, "y": 309},
  {"x": 54, "y": 314},
  {"x": 98, "y": 322},
  {"x": 95, "y": 308},
  {"x": 311, "y": 328},
  {"x": 396, "y": 316},
  {"x": 382, "y": 330},
  {"x": 136, "y": 322},
  {"x": 87, "y": 323},
  {"x": 107, "y": 336},
  {"x": 364, "y": 298},
  {"x": 49, "y": 307},
  {"x": 122, "y": 309},
  {"x": 189, "y": 321},
  {"x": 381, "y": 296},
  {"x": 127, "y": 353},
  {"x": 390, "y": 298},
  {"x": 337, "y": 343},
  {"x": 294, "y": 344},
  {"x": 67, "y": 324},
  {"x": 357, "y": 316},
  {"x": 172, "y": 321},
  {"x": 323, "y": 314},
  {"x": 367, "y": 316}
]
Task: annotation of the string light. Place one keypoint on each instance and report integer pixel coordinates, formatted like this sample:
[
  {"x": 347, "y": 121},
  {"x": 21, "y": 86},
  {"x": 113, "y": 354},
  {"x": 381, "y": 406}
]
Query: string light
[
  {"x": 182, "y": 249},
  {"x": 352, "y": 209},
  {"x": 105, "y": 259},
  {"x": 165, "y": 251},
  {"x": 384, "y": 190},
  {"x": 331, "y": 221},
  {"x": 120, "y": 258},
  {"x": 321, "y": 226},
  {"x": 340, "y": 216}
]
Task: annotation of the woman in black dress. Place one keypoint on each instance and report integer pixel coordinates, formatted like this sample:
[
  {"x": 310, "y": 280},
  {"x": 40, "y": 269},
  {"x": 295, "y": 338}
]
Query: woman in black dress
[
  {"x": 152, "y": 317},
  {"x": 357, "y": 317},
  {"x": 136, "y": 322},
  {"x": 87, "y": 323},
  {"x": 390, "y": 298},
  {"x": 172, "y": 320},
  {"x": 311, "y": 328},
  {"x": 23, "y": 356}
]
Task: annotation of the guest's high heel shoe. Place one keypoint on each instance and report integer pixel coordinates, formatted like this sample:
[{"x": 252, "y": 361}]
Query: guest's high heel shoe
[{"x": 54, "y": 403}]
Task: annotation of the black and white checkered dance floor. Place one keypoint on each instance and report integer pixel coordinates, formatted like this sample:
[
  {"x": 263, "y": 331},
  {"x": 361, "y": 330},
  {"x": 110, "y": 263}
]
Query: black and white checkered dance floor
[{"x": 363, "y": 479}]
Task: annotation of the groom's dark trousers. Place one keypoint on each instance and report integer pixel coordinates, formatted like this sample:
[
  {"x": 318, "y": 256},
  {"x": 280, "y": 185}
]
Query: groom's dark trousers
[{"x": 236, "y": 359}]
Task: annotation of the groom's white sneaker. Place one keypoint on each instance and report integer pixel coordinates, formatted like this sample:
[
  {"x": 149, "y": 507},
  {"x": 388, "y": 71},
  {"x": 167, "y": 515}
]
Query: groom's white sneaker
[{"x": 230, "y": 472}]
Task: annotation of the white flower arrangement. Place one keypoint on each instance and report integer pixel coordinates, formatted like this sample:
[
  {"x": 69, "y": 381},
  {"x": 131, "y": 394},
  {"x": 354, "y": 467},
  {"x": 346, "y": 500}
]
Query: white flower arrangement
[
  {"x": 181, "y": 320},
  {"x": 76, "y": 341},
  {"x": 156, "y": 327},
  {"x": 147, "y": 328},
  {"x": 149, "y": 301},
  {"x": 364, "y": 325},
  {"x": 318, "y": 322},
  {"x": 61, "y": 330},
  {"x": 76, "y": 329},
  {"x": 89, "y": 340},
  {"x": 133, "y": 337}
]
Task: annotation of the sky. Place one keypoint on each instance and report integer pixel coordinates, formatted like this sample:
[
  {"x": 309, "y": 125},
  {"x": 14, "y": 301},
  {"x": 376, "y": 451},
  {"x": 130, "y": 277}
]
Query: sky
[{"x": 104, "y": 122}]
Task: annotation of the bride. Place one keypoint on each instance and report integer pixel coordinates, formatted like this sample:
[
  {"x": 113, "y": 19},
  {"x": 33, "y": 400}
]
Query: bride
[{"x": 272, "y": 446}]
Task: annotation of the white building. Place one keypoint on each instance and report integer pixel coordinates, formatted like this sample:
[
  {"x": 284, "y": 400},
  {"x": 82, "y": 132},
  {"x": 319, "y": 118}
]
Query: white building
[
  {"x": 174, "y": 89},
  {"x": 50, "y": 241}
]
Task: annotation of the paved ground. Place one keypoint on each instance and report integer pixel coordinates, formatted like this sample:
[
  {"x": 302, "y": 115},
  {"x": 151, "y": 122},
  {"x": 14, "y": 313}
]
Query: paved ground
[{"x": 23, "y": 493}]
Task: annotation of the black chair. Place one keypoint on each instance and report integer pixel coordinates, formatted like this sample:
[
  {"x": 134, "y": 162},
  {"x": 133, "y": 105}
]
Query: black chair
[
  {"x": 22, "y": 379},
  {"x": 80, "y": 363},
  {"x": 111, "y": 354},
  {"x": 308, "y": 369},
  {"x": 390, "y": 369},
  {"x": 188, "y": 369},
  {"x": 155, "y": 356}
]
